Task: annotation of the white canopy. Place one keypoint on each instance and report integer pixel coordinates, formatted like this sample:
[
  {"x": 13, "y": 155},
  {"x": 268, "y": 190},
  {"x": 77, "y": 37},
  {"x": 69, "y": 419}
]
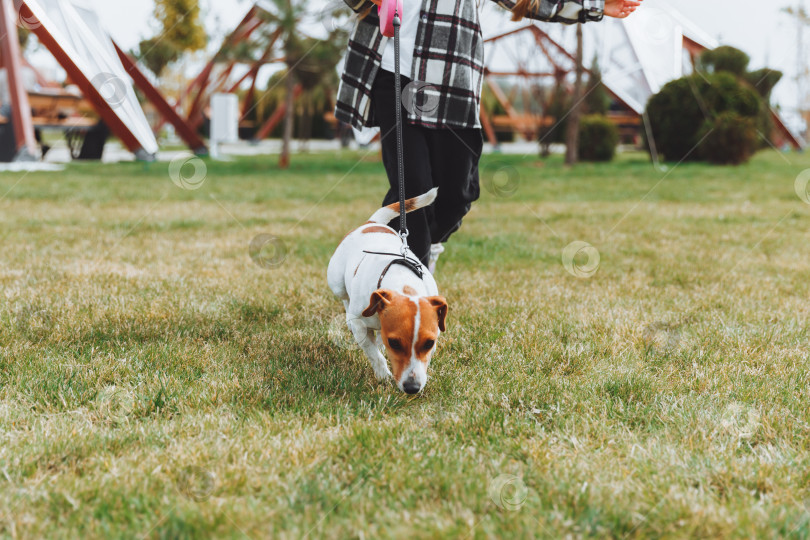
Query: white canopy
[{"x": 79, "y": 32}]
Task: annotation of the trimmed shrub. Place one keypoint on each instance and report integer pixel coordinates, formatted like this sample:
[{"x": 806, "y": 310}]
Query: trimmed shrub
[
  {"x": 763, "y": 80},
  {"x": 730, "y": 139},
  {"x": 598, "y": 138},
  {"x": 728, "y": 59},
  {"x": 677, "y": 113}
]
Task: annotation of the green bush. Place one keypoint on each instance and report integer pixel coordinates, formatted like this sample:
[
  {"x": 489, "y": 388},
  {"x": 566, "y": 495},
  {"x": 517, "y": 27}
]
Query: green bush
[
  {"x": 763, "y": 80},
  {"x": 559, "y": 106},
  {"x": 728, "y": 139},
  {"x": 726, "y": 59},
  {"x": 677, "y": 114},
  {"x": 598, "y": 138}
]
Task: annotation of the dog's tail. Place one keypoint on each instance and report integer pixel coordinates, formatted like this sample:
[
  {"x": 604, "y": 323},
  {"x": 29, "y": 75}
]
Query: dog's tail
[{"x": 387, "y": 213}]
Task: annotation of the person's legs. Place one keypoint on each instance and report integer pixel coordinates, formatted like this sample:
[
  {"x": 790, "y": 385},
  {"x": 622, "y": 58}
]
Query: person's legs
[
  {"x": 454, "y": 156},
  {"x": 416, "y": 158}
]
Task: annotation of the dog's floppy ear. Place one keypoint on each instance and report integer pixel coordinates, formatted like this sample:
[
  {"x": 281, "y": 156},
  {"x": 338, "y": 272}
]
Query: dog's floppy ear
[
  {"x": 379, "y": 299},
  {"x": 440, "y": 304}
]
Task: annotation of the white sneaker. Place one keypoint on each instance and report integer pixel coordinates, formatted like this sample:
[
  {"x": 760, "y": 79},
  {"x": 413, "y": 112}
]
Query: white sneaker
[{"x": 435, "y": 251}]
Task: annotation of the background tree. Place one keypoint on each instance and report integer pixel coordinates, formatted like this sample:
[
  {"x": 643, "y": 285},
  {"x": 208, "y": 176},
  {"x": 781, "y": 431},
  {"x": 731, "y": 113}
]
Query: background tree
[
  {"x": 156, "y": 54},
  {"x": 315, "y": 71},
  {"x": 802, "y": 19},
  {"x": 23, "y": 34},
  {"x": 180, "y": 30},
  {"x": 572, "y": 129},
  {"x": 558, "y": 105},
  {"x": 309, "y": 62},
  {"x": 597, "y": 100},
  {"x": 287, "y": 16}
]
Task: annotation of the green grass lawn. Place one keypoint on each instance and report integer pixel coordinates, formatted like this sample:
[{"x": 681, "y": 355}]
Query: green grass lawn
[{"x": 160, "y": 379}]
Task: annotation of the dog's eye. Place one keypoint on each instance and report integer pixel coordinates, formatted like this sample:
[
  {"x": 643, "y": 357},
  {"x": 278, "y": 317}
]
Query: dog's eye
[
  {"x": 395, "y": 344},
  {"x": 428, "y": 345}
]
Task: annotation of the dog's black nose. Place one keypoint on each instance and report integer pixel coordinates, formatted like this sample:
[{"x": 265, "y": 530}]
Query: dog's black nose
[{"x": 411, "y": 386}]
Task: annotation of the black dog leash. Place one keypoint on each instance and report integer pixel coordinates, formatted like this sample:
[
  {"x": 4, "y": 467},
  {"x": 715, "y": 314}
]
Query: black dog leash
[
  {"x": 384, "y": 10},
  {"x": 402, "y": 258},
  {"x": 403, "y": 226}
]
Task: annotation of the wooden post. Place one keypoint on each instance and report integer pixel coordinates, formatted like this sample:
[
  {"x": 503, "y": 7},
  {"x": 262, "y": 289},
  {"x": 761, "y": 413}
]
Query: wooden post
[{"x": 20, "y": 109}]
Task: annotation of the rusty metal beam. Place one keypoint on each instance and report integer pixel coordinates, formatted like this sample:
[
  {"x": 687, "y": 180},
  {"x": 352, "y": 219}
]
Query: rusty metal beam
[
  {"x": 783, "y": 130},
  {"x": 510, "y": 110},
  {"x": 536, "y": 74},
  {"x": 540, "y": 34},
  {"x": 507, "y": 34},
  {"x": 167, "y": 112},
  {"x": 487, "y": 125},
  {"x": 20, "y": 109},
  {"x": 249, "y": 23}
]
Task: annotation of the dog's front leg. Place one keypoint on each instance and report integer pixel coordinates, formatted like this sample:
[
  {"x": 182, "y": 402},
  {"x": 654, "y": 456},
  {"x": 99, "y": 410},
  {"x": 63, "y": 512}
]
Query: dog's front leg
[{"x": 365, "y": 338}]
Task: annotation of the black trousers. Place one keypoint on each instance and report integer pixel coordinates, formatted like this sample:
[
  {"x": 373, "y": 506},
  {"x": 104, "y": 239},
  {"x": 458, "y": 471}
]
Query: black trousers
[{"x": 444, "y": 158}]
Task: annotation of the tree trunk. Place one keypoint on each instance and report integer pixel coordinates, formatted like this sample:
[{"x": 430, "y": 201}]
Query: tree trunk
[
  {"x": 572, "y": 131},
  {"x": 289, "y": 115},
  {"x": 305, "y": 129}
]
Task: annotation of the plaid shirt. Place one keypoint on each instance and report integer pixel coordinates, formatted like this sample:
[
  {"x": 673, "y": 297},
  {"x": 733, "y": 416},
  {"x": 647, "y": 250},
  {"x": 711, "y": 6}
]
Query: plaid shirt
[{"x": 448, "y": 62}]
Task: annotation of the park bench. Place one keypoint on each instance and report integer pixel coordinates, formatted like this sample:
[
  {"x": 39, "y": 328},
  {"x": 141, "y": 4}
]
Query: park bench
[{"x": 61, "y": 111}]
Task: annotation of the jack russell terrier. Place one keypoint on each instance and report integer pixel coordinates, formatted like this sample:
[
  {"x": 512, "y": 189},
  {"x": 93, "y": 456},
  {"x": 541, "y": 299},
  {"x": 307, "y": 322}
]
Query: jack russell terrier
[{"x": 395, "y": 297}]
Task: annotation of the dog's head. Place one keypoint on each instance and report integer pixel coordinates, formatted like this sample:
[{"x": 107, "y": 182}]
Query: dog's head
[{"x": 410, "y": 326}]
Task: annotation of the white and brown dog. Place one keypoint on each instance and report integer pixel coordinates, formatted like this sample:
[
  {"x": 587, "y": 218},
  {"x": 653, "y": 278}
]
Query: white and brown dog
[{"x": 384, "y": 294}]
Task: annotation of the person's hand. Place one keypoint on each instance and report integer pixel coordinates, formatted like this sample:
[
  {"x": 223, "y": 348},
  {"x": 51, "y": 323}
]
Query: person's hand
[
  {"x": 619, "y": 8},
  {"x": 378, "y": 3}
]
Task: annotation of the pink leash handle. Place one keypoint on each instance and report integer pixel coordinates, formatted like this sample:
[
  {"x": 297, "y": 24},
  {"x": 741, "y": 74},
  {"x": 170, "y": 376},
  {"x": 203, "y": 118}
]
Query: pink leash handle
[{"x": 386, "y": 10}]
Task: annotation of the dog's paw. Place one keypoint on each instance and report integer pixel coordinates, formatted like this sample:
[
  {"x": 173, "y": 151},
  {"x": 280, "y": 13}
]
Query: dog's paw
[{"x": 381, "y": 371}]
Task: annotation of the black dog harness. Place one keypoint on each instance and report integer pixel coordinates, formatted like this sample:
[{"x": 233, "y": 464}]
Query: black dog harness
[{"x": 413, "y": 265}]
